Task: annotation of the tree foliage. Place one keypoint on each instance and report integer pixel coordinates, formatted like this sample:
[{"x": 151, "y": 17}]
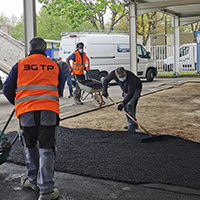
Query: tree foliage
[
  {"x": 147, "y": 24},
  {"x": 17, "y": 31},
  {"x": 79, "y": 11},
  {"x": 49, "y": 26}
]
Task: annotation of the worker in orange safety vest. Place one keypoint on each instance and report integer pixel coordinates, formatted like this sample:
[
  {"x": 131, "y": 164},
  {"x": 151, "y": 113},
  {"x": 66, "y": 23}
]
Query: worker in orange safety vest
[
  {"x": 33, "y": 86},
  {"x": 79, "y": 59}
]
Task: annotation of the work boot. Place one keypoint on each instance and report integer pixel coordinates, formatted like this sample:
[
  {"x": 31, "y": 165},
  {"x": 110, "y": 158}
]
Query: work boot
[
  {"x": 131, "y": 128},
  {"x": 71, "y": 95},
  {"x": 125, "y": 127},
  {"x": 50, "y": 196},
  {"x": 26, "y": 183},
  {"x": 136, "y": 126},
  {"x": 78, "y": 101}
]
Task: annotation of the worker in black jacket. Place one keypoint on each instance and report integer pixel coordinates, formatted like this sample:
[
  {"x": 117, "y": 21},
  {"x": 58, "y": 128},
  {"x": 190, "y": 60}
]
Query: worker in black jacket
[{"x": 131, "y": 86}]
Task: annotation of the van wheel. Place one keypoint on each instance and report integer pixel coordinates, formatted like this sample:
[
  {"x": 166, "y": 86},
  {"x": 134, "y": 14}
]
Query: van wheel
[
  {"x": 102, "y": 76},
  {"x": 150, "y": 75}
]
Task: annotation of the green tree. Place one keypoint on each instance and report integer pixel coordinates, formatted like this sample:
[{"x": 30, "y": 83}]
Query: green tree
[
  {"x": 123, "y": 24},
  {"x": 17, "y": 31},
  {"x": 143, "y": 27},
  {"x": 49, "y": 26},
  {"x": 4, "y": 19},
  {"x": 79, "y": 11}
]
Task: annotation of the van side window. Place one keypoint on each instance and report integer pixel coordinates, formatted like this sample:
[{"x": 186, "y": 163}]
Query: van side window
[
  {"x": 181, "y": 52},
  {"x": 186, "y": 50},
  {"x": 141, "y": 52}
]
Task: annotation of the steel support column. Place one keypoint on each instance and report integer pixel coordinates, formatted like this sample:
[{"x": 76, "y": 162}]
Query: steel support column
[
  {"x": 176, "y": 44},
  {"x": 29, "y": 23},
  {"x": 133, "y": 37}
]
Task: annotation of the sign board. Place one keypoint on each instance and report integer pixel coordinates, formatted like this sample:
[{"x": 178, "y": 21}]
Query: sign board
[
  {"x": 198, "y": 51},
  {"x": 123, "y": 48}
]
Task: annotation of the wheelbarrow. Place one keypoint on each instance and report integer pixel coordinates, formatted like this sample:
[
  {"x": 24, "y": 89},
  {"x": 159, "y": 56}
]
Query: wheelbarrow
[
  {"x": 85, "y": 86},
  {"x": 6, "y": 146}
]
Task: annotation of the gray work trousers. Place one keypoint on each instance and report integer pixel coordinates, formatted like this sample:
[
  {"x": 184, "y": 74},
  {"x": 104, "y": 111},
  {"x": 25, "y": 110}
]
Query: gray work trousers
[
  {"x": 40, "y": 166},
  {"x": 38, "y": 133},
  {"x": 77, "y": 92},
  {"x": 130, "y": 107}
]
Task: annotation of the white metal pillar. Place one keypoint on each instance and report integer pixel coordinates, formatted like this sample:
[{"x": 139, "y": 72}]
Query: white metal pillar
[
  {"x": 176, "y": 44},
  {"x": 29, "y": 22},
  {"x": 133, "y": 37}
]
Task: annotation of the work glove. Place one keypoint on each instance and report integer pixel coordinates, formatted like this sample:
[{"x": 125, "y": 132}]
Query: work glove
[
  {"x": 105, "y": 94},
  {"x": 120, "y": 106}
]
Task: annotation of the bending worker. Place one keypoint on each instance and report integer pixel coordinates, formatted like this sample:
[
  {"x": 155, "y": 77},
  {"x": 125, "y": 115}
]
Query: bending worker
[
  {"x": 33, "y": 86},
  {"x": 131, "y": 86},
  {"x": 79, "y": 59}
]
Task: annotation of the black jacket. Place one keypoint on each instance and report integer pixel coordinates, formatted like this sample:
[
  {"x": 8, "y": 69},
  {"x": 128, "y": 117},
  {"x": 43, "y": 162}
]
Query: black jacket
[{"x": 129, "y": 86}]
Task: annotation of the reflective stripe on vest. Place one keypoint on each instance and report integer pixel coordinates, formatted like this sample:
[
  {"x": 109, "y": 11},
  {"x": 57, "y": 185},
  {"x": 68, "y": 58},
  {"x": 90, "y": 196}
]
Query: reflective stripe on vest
[
  {"x": 29, "y": 98},
  {"x": 37, "y": 87},
  {"x": 77, "y": 64},
  {"x": 77, "y": 68}
]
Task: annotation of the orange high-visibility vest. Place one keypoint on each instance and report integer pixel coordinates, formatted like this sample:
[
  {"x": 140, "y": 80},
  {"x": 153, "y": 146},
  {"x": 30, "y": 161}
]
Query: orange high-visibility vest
[
  {"x": 79, "y": 64},
  {"x": 37, "y": 83}
]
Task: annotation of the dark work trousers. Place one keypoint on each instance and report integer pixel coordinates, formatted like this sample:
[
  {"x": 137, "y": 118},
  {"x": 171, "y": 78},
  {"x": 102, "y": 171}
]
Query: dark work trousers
[
  {"x": 77, "y": 92},
  {"x": 69, "y": 83},
  {"x": 63, "y": 86},
  {"x": 130, "y": 107},
  {"x": 38, "y": 132}
]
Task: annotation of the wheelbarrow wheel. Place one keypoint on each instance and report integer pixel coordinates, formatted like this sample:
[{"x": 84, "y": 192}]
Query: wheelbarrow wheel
[{"x": 98, "y": 100}]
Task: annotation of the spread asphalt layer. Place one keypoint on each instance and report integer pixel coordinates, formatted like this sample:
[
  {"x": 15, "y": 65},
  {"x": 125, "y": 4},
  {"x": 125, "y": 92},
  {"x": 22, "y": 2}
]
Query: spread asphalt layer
[{"x": 121, "y": 156}]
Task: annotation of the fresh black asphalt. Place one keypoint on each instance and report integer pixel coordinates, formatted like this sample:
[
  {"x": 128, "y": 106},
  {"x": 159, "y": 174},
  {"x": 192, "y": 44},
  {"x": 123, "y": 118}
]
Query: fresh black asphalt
[{"x": 121, "y": 156}]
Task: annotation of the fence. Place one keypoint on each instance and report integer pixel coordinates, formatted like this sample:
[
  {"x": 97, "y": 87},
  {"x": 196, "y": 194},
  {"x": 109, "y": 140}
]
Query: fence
[{"x": 164, "y": 57}]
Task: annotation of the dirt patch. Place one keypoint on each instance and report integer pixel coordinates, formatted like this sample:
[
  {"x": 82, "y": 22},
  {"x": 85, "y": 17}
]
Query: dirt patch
[{"x": 174, "y": 112}]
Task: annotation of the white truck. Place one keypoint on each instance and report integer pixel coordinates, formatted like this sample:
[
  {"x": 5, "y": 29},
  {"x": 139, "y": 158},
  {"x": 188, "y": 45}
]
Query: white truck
[
  {"x": 106, "y": 52},
  {"x": 187, "y": 58}
]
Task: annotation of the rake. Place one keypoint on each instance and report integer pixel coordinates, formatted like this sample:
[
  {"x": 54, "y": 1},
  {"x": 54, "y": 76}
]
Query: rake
[{"x": 151, "y": 138}]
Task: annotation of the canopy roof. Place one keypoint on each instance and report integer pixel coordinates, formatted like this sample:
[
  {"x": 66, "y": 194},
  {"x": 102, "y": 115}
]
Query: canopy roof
[{"x": 187, "y": 10}]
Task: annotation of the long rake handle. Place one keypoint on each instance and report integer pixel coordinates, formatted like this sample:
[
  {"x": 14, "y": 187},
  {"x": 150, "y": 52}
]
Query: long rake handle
[{"x": 132, "y": 119}]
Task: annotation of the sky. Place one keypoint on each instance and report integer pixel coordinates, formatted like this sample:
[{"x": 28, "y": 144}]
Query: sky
[{"x": 15, "y": 7}]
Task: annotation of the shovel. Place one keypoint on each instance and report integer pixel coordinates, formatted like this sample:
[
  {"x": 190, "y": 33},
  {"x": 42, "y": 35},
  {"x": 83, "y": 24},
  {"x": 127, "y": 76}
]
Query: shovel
[{"x": 151, "y": 138}]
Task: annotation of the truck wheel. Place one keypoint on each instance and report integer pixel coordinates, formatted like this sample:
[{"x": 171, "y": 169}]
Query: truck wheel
[
  {"x": 150, "y": 75},
  {"x": 102, "y": 76},
  {"x": 98, "y": 100}
]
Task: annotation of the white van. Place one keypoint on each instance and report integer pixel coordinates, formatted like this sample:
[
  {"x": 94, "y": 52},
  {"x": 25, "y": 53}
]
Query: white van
[
  {"x": 187, "y": 58},
  {"x": 106, "y": 52}
]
